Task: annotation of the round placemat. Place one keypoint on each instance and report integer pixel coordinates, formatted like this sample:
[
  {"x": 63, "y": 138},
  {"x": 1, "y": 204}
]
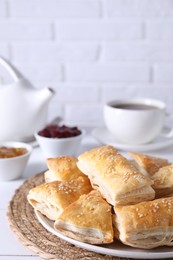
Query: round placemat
[{"x": 31, "y": 233}]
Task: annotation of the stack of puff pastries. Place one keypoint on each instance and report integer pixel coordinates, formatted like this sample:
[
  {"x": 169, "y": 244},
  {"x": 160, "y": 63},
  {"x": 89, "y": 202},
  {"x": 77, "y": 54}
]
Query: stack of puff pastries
[{"x": 101, "y": 196}]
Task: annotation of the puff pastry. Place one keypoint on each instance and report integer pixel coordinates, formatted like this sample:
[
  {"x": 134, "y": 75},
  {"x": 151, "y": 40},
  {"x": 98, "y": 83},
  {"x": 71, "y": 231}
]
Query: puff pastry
[
  {"x": 62, "y": 168},
  {"x": 148, "y": 165},
  {"x": 88, "y": 219},
  {"x": 53, "y": 197},
  {"x": 163, "y": 181},
  {"x": 147, "y": 224},
  {"x": 117, "y": 180}
]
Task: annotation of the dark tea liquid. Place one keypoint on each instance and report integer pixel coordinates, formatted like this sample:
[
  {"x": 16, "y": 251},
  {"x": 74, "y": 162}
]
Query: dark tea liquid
[{"x": 134, "y": 106}]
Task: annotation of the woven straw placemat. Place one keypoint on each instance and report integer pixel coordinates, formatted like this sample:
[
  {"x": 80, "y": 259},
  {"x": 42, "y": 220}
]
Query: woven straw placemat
[{"x": 31, "y": 233}]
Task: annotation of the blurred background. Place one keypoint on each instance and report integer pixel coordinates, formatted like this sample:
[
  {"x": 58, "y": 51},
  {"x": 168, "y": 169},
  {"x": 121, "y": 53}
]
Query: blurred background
[{"x": 90, "y": 51}]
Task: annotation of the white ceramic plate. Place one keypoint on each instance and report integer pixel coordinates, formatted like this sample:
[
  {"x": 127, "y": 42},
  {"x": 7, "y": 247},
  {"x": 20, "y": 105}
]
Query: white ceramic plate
[
  {"x": 104, "y": 137},
  {"x": 113, "y": 249}
]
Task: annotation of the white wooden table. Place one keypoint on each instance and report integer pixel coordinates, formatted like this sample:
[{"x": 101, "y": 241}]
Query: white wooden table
[{"x": 10, "y": 247}]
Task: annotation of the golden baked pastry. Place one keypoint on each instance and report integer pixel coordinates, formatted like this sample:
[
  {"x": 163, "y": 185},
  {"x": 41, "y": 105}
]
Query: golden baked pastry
[
  {"x": 147, "y": 224},
  {"x": 53, "y": 197},
  {"x": 115, "y": 177},
  {"x": 148, "y": 165},
  {"x": 139, "y": 168},
  {"x": 88, "y": 219},
  {"x": 62, "y": 168},
  {"x": 163, "y": 181}
]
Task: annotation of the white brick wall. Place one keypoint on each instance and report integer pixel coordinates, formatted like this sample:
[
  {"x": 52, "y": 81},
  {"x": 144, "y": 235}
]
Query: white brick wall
[
  {"x": 98, "y": 30},
  {"x": 136, "y": 8},
  {"x": 3, "y": 8},
  {"x": 23, "y": 30},
  {"x": 55, "y": 8},
  {"x": 151, "y": 51},
  {"x": 91, "y": 51},
  {"x": 107, "y": 72},
  {"x": 163, "y": 73},
  {"x": 159, "y": 30},
  {"x": 54, "y": 52},
  {"x": 41, "y": 71}
]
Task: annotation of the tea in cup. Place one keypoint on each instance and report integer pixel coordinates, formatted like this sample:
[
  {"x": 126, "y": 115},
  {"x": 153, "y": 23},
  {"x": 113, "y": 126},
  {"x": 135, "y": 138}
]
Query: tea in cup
[{"x": 135, "y": 121}]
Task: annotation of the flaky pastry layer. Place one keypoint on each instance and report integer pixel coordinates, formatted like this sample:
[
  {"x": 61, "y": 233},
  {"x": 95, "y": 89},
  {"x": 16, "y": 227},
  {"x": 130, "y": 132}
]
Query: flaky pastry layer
[
  {"x": 62, "y": 168},
  {"x": 114, "y": 176},
  {"x": 149, "y": 165},
  {"x": 88, "y": 219},
  {"x": 147, "y": 224},
  {"x": 53, "y": 197}
]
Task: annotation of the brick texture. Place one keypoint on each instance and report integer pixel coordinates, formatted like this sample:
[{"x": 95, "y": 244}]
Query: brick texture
[
  {"x": 25, "y": 30},
  {"x": 55, "y": 8},
  {"x": 90, "y": 51},
  {"x": 107, "y": 72},
  {"x": 48, "y": 52},
  {"x": 136, "y": 8},
  {"x": 98, "y": 30},
  {"x": 3, "y": 8},
  {"x": 160, "y": 30}
]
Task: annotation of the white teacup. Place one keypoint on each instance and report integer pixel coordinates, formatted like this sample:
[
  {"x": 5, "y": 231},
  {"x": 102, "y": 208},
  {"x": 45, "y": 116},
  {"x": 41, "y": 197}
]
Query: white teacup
[{"x": 135, "y": 121}]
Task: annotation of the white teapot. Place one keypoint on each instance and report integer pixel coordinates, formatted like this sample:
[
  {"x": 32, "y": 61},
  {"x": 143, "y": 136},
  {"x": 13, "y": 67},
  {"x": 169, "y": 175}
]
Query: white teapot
[{"x": 23, "y": 108}]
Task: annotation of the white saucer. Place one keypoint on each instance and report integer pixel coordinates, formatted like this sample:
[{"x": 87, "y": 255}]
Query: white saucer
[{"x": 102, "y": 135}]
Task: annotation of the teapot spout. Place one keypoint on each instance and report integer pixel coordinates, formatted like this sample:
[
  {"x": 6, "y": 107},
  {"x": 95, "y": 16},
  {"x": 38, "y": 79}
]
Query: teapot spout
[{"x": 46, "y": 94}]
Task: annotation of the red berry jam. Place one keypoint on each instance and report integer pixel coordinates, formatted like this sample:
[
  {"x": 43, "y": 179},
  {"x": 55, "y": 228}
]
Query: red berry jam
[{"x": 55, "y": 131}]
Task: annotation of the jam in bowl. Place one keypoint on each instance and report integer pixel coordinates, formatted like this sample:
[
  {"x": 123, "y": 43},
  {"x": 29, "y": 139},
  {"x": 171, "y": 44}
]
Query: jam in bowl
[
  {"x": 56, "y": 131},
  {"x": 56, "y": 140},
  {"x": 10, "y": 152},
  {"x": 13, "y": 159}
]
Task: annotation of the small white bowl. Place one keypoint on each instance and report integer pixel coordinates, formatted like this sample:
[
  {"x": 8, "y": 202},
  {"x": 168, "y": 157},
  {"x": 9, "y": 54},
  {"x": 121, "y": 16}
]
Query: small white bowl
[
  {"x": 12, "y": 168},
  {"x": 54, "y": 147}
]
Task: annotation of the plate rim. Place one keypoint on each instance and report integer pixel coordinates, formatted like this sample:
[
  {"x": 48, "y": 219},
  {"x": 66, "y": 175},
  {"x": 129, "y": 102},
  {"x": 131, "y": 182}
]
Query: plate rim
[{"x": 101, "y": 249}]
